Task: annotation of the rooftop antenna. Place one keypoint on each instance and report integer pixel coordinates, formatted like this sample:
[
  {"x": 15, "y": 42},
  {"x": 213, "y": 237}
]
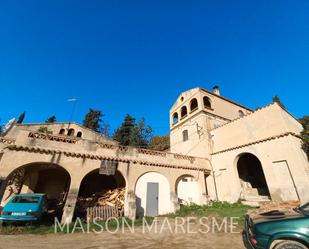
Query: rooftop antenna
[{"x": 73, "y": 101}]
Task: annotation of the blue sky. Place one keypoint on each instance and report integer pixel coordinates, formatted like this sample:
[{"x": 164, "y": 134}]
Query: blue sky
[{"x": 137, "y": 56}]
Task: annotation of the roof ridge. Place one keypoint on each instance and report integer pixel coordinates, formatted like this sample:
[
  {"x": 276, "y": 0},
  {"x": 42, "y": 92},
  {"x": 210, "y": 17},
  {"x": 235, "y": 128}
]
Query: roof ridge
[
  {"x": 257, "y": 142},
  {"x": 246, "y": 115},
  {"x": 226, "y": 99}
]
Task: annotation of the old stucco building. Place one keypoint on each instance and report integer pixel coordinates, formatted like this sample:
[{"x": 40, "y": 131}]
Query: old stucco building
[
  {"x": 220, "y": 150},
  {"x": 254, "y": 155}
]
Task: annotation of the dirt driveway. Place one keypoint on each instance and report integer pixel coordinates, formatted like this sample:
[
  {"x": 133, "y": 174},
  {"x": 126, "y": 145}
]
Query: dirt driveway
[{"x": 123, "y": 240}]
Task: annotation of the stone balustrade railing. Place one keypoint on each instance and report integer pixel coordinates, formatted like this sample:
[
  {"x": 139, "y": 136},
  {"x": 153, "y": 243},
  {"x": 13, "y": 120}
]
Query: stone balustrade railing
[
  {"x": 141, "y": 151},
  {"x": 148, "y": 152},
  {"x": 6, "y": 140},
  {"x": 151, "y": 152},
  {"x": 57, "y": 138},
  {"x": 184, "y": 157}
]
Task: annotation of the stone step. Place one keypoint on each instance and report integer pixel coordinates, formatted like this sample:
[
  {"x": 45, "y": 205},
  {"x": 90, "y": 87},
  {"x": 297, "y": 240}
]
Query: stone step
[
  {"x": 256, "y": 198},
  {"x": 256, "y": 201}
]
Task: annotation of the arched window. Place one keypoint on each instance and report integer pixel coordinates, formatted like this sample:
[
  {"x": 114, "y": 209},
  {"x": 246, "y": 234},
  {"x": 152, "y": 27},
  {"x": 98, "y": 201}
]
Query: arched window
[
  {"x": 184, "y": 111},
  {"x": 79, "y": 134},
  {"x": 71, "y": 132},
  {"x": 206, "y": 102},
  {"x": 175, "y": 118},
  {"x": 62, "y": 131},
  {"x": 241, "y": 113},
  {"x": 193, "y": 105},
  {"x": 185, "y": 135}
]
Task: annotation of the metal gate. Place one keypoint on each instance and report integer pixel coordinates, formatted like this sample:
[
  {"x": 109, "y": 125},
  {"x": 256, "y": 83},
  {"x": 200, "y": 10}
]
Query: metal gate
[{"x": 103, "y": 213}]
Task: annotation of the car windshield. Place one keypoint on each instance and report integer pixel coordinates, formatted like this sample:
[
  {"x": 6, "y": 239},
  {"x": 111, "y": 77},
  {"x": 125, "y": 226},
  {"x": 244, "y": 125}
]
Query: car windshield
[{"x": 26, "y": 199}]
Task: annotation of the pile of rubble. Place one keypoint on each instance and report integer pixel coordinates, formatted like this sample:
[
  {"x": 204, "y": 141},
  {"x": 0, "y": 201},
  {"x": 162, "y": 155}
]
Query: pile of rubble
[
  {"x": 112, "y": 198},
  {"x": 275, "y": 205},
  {"x": 279, "y": 205}
]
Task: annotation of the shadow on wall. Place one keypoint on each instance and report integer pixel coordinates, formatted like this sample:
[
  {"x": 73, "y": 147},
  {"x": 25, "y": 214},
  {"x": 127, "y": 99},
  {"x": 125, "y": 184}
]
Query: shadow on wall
[{"x": 140, "y": 212}]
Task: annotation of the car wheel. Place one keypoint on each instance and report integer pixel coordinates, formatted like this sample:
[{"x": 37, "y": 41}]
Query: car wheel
[{"x": 290, "y": 244}]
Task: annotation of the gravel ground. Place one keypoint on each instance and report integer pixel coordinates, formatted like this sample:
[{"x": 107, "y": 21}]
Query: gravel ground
[{"x": 126, "y": 239}]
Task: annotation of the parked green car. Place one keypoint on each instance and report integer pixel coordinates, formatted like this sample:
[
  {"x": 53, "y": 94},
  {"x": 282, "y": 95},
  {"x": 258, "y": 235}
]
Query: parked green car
[{"x": 278, "y": 229}]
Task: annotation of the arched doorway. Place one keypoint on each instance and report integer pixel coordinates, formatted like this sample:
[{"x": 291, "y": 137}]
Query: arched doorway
[
  {"x": 47, "y": 178},
  {"x": 187, "y": 190},
  {"x": 95, "y": 185},
  {"x": 152, "y": 192},
  {"x": 251, "y": 175}
]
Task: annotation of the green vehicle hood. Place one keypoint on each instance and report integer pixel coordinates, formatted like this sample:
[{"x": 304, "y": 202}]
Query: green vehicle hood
[{"x": 275, "y": 215}]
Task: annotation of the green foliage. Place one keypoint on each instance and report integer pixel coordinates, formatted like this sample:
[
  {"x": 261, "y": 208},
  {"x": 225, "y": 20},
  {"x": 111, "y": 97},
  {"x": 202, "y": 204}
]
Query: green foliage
[
  {"x": 160, "y": 143},
  {"x": 49, "y": 228},
  {"x": 21, "y": 118},
  {"x": 217, "y": 209},
  {"x": 131, "y": 133},
  {"x": 51, "y": 119},
  {"x": 305, "y": 134},
  {"x": 93, "y": 120},
  {"x": 44, "y": 129},
  {"x": 144, "y": 133},
  {"x": 277, "y": 100}
]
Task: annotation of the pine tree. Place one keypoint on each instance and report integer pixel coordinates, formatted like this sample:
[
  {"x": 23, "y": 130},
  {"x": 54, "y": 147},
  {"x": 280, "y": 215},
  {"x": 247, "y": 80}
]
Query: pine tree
[
  {"x": 93, "y": 120},
  {"x": 51, "y": 119},
  {"x": 126, "y": 134},
  {"x": 144, "y": 133},
  {"x": 21, "y": 118},
  {"x": 131, "y": 133}
]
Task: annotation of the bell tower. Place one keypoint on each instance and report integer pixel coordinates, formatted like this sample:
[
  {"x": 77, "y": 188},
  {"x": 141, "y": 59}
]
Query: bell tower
[{"x": 194, "y": 114}]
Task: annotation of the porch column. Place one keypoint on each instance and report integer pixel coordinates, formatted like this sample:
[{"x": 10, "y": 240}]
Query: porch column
[
  {"x": 2, "y": 187},
  {"x": 173, "y": 195},
  {"x": 69, "y": 207},
  {"x": 130, "y": 205},
  {"x": 174, "y": 202},
  {"x": 204, "y": 198}
]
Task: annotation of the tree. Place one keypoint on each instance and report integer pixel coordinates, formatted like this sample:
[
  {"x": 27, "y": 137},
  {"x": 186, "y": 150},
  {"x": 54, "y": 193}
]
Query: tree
[
  {"x": 305, "y": 134},
  {"x": 51, "y": 119},
  {"x": 21, "y": 118},
  {"x": 131, "y": 133},
  {"x": 93, "y": 120},
  {"x": 144, "y": 133},
  {"x": 1, "y": 127},
  {"x": 104, "y": 129},
  {"x": 277, "y": 100},
  {"x": 44, "y": 129},
  {"x": 160, "y": 143},
  {"x": 126, "y": 134}
]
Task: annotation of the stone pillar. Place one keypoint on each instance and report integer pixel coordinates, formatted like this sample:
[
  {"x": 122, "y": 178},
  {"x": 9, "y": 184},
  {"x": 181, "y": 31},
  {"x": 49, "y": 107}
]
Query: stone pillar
[
  {"x": 130, "y": 205},
  {"x": 174, "y": 202},
  {"x": 211, "y": 188},
  {"x": 69, "y": 207},
  {"x": 2, "y": 188},
  {"x": 202, "y": 185},
  {"x": 173, "y": 195}
]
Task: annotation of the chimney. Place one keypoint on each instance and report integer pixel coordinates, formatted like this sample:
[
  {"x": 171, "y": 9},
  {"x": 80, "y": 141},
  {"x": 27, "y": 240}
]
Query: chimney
[{"x": 216, "y": 90}]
